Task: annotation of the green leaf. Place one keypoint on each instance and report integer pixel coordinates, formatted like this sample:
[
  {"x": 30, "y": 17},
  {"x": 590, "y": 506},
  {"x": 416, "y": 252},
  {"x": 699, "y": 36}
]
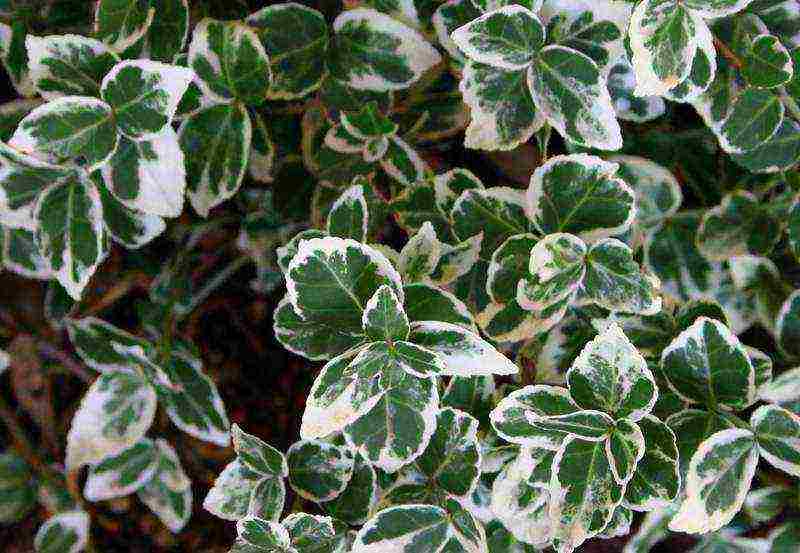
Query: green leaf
[
  {"x": 402, "y": 163},
  {"x": 384, "y": 319},
  {"x": 239, "y": 492},
  {"x": 594, "y": 29},
  {"x": 355, "y": 503},
  {"x": 471, "y": 394},
  {"x": 657, "y": 480},
  {"x": 295, "y": 38},
  {"x": 572, "y": 94},
  {"x": 167, "y": 34},
  {"x": 421, "y": 255},
  {"x": 768, "y": 63},
  {"x": 612, "y": 376},
  {"x": 11, "y": 113},
  {"x": 777, "y": 432},
  {"x": 415, "y": 205},
  {"x": 315, "y": 534},
  {"x": 68, "y": 65},
  {"x": 586, "y": 425},
  {"x": 693, "y": 426},
  {"x": 625, "y": 447},
  {"x": 719, "y": 478},
  {"x": 463, "y": 353},
  {"x": 121, "y": 23},
  {"x": 738, "y": 226},
  {"x": 367, "y": 123},
  {"x": 375, "y": 52},
  {"x": 448, "y": 17},
  {"x": 148, "y": 175},
  {"x": 169, "y": 493},
  {"x": 457, "y": 261},
  {"x": 754, "y": 118},
  {"x": 144, "y": 96},
  {"x": 784, "y": 538},
  {"x": 349, "y": 215},
  {"x": 787, "y": 325},
  {"x": 101, "y": 345},
  {"x": 706, "y": 363},
  {"x": 779, "y": 153},
  {"x": 507, "y": 38},
  {"x": 452, "y": 459},
  {"x": 16, "y": 488},
  {"x": 784, "y": 390},
  {"x": 664, "y": 37},
  {"x": 114, "y": 414},
  {"x": 22, "y": 179},
  {"x": 508, "y": 266},
  {"x": 69, "y": 232},
  {"x": 425, "y": 302},
  {"x": 319, "y": 471},
  {"x": 256, "y": 534},
  {"x": 330, "y": 280},
  {"x": 496, "y": 212},
  {"x": 14, "y": 56},
  {"x": 230, "y": 62},
  {"x": 122, "y": 474},
  {"x": 216, "y": 142},
  {"x": 397, "y": 528},
  {"x": 583, "y": 491},
  {"x": 70, "y": 127},
  {"x": 512, "y": 416},
  {"x": 557, "y": 270},
  {"x": 257, "y": 455},
  {"x": 581, "y": 195},
  {"x": 66, "y": 532},
  {"x": 133, "y": 229},
  {"x": 503, "y": 113},
  {"x": 193, "y": 402}
]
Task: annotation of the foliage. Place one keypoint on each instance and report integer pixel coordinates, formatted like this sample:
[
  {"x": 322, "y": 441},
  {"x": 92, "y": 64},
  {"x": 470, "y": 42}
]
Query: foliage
[{"x": 579, "y": 317}]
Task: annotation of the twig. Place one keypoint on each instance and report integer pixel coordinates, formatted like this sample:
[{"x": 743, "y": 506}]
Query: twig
[{"x": 728, "y": 54}]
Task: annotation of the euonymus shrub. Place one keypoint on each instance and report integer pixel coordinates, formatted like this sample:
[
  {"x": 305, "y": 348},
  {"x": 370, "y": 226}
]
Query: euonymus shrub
[{"x": 532, "y": 367}]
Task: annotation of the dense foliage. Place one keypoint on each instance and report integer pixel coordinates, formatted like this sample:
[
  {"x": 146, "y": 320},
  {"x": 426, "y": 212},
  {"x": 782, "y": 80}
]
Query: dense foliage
[{"x": 539, "y": 260}]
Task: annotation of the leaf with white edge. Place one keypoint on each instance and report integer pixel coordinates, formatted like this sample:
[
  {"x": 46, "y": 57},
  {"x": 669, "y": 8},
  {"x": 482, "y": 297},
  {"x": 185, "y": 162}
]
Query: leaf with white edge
[
  {"x": 612, "y": 376},
  {"x": 367, "y": 123},
  {"x": 193, "y": 402},
  {"x": 619, "y": 525},
  {"x": 167, "y": 34},
  {"x": 557, "y": 269},
  {"x": 133, "y": 229},
  {"x": 450, "y": 185},
  {"x": 754, "y": 118},
  {"x": 66, "y": 532},
  {"x": 295, "y": 38},
  {"x": 652, "y": 530},
  {"x": 457, "y": 261},
  {"x": 148, "y": 175},
  {"x": 512, "y": 416},
  {"x": 615, "y": 281},
  {"x": 498, "y": 213},
  {"x": 784, "y": 538},
  {"x": 718, "y": 480},
  {"x": 354, "y": 504},
  {"x": 216, "y": 142},
  {"x": 521, "y": 495},
  {"x": 402, "y": 163},
  {"x": 706, "y": 363},
  {"x": 463, "y": 353},
  {"x": 572, "y": 94},
  {"x": 255, "y": 534},
  {"x": 421, "y": 254},
  {"x": 349, "y": 215},
  {"x": 239, "y": 492},
  {"x": 512, "y": 323},
  {"x": 114, "y": 414},
  {"x": 22, "y": 178},
  {"x": 262, "y": 151},
  {"x": 768, "y": 63},
  {"x": 777, "y": 432},
  {"x": 398, "y": 426},
  {"x": 787, "y": 325},
  {"x": 101, "y": 345},
  {"x": 657, "y": 480},
  {"x": 628, "y": 106},
  {"x": 625, "y": 447},
  {"x": 70, "y": 127},
  {"x": 230, "y": 62},
  {"x": 375, "y": 52},
  {"x": 169, "y": 493},
  {"x": 448, "y": 17},
  {"x": 738, "y": 226},
  {"x": 779, "y": 153},
  {"x": 583, "y": 491},
  {"x": 316, "y": 534},
  {"x": 508, "y": 266},
  {"x": 330, "y": 280},
  {"x": 14, "y": 56},
  {"x": 503, "y": 113},
  {"x": 395, "y": 529},
  {"x": 783, "y": 390},
  {"x": 693, "y": 426},
  {"x": 703, "y": 72},
  {"x": 452, "y": 459},
  {"x": 122, "y": 23},
  {"x": 319, "y": 471},
  {"x": 425, "y": 302},
  {"x": 586, "y": 425},
  {"x": 664, "y": 39},
  {"x": 471, "y": 394},
  {"x": 68, "y": 65},
  {"x": 257, "y": 455},
  {"x": 506, "y": 38},
  {"x": 11, "y": 113},
  {"x": 144, "y": 95},
  {"x": 582, "y": 195},
  {"x": 122, "y": 474},
  {"x": 384, "y": 319}
]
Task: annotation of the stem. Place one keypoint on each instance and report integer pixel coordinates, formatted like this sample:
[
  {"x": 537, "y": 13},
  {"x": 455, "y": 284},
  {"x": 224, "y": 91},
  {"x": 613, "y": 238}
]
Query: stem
[
  {"x": 789, "y": 102},
  {"x": 543, "y": 139},
  {"x": 728, "y": 54},
  {"x": 213, "y": 284}
]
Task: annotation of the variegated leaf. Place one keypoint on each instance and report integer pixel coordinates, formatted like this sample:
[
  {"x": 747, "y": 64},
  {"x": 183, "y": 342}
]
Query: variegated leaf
[
  {"x": 318, "y": 470},
  {"x": 512, "y": 418},
  {"x": 777, "y": 432},
  {"x": 66, "y": 532},
  {"x": 169, "y": 493},
  {"x": 452, "y": 459},
  {"x": 656, "y": 482},
  {"x": 122, "y": 23},
  {"x": 122, "y": 474},
  {"x": 421, "y": 255},
  {"x": 349, "y": 215}
]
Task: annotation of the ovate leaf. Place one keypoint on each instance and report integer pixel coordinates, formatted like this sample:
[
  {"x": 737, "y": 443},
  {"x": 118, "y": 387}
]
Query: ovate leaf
[
  {"x": 169, "y": 493},
  {"x": 656, "y": 482},
  {"x": 133, "y": 229},
  {"x": 384, "y": 319},
  {"x": 354, "y": 504},
  {"x": 319, "y": 471},
  {"x": 121, "y": 23},
  {"x": 513, "y": 416},
  {"x": 777, "y": 432},
  {"x": 625, "y": 446},
  {"x": 349, "y": 215},
  {"x": 768, "y": 64},
  {"x": 122, "y": 474},
  {"x": 66, "y": 532},
  {"x": 420, "y": 256}
]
